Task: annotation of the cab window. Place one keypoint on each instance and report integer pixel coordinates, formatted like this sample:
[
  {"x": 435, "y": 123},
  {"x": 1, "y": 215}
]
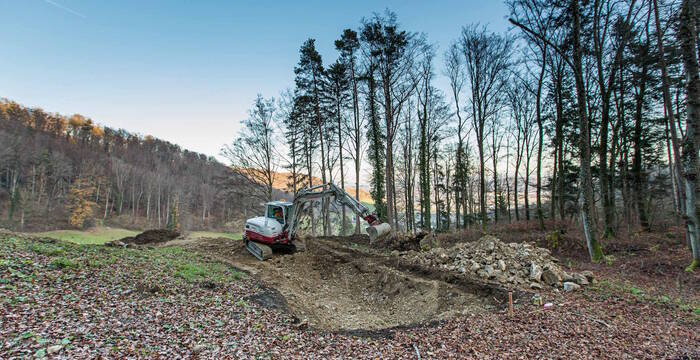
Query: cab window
[{"x": 275, "y": 212}]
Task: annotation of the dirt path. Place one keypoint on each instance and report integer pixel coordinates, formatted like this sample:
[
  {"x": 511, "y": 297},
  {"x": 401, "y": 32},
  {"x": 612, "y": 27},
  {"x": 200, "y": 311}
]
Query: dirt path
[{"x": 338, "y": 284}]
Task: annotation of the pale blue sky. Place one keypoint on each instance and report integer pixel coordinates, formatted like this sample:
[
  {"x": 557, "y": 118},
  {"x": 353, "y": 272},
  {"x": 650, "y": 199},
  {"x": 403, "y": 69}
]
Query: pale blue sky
[{"x": 187, "y": 71}]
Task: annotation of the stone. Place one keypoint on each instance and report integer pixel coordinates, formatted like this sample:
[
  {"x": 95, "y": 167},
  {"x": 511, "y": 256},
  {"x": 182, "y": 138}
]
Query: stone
[
  {"x": 569, "y": 286},
  {"x": 54, "y": 349},
  {"x": 489, "y": 270},
  {"x": 551, "y": 277},
  {"x": 199, "y": 348},
  {"x": 580, "y": 279},
  {"x": 475, "y": 266},
  {"x": 588, "y": 274},
  {"x": 535, "y": 272},
  {"x": 535, "y": 286},
  {"x": 501, "y": 265},
  {"x": 498, "y": 275},
  {"x": 482, "y": 273}
]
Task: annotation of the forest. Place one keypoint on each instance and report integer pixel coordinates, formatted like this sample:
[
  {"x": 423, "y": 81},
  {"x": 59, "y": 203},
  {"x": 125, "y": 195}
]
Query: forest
[
  {"x": 584, "y": 114},
  {"x": 69, "y": 172},
  {"x": 527, "y": 192}
]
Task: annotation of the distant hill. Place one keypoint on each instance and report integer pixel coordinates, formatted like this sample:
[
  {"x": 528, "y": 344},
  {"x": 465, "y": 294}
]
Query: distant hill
[
  {"x": 280, "y": 183},
  {"x": 62, "y": 171}
]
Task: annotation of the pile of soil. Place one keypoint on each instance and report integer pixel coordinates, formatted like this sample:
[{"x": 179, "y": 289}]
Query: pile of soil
[
  {"x": 512, "y": 264},
  {"x": 148, "y": 237},
  {"x": 401, "y": 242}
]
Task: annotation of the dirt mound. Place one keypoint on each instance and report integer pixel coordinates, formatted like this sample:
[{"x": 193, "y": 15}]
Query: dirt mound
[
  {"x": 512, "y": 264},
  {"x": 401, "y": 242},
  {"x": 155, "y": 236}
]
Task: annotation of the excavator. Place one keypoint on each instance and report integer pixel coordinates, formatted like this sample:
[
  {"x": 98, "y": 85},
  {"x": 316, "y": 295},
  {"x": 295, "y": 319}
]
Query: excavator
[{"x": 277, "y": 230}]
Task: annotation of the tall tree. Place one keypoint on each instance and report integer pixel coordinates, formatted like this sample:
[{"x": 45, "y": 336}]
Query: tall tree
[
  {"x": 253, "y": 153},
  {"x": 538, "y": 17},
  {"x": 455, "y": 73},
  {"x": 487, "y": 57},
  {"x": 338, "y": 93},
  {"x": 309, "y": 80},
  {"x": 668, "y": 106},
  {"x": 604, "y": 17},
  {"x": 349, "y": 45},
  {"x": 569, "y": 20},
  {"x": 688, "y": 38},
  {"x": 394, "y": 51}
]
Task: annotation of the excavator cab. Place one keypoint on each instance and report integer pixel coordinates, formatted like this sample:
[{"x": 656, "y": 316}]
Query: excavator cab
[{"x": 277, "y": 212}]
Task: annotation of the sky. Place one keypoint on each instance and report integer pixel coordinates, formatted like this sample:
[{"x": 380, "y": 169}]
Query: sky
[{"x": 188, "y": 71}]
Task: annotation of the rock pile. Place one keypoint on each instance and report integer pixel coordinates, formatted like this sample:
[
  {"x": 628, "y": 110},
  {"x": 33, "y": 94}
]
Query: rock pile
[{"x": 513, "y": 264}]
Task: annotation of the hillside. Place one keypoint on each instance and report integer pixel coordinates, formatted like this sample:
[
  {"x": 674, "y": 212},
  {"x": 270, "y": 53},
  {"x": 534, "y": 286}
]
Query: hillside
[{"x": 63, "y": 171}]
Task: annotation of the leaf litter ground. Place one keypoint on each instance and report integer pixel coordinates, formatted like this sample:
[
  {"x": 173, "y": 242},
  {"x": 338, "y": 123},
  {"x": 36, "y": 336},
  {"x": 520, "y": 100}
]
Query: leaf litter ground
[{"x": 206, "y": 297}]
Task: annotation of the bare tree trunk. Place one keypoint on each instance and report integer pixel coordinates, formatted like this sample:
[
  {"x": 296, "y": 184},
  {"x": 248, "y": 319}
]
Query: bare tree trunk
[
  {"x": 671, "y": 123},
  {"x": 672, "y": 171},
  {"x": 559, "y": 135},
  {"x": 109, "y": 189},
  {"x": 342, "y": 166},
  {"x": 526, "y": 190},
  {"x": 594, "y": 249},
  {"x": 687, "y": 36},
  {"x": 540, "y": 137},
  {"x": 389, "y": 168},
  {"x": 494, "y": 159},
  {"x": 639, "y": 191}
]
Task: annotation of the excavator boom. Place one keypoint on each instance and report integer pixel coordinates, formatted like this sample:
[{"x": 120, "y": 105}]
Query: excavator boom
[
  {"x": 278, "y": 228},
  {"x": 375, "y": 230}
]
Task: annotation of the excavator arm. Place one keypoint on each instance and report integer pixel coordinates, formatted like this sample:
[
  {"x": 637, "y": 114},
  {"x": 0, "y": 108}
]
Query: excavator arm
[{"x": 330, "y": 190}]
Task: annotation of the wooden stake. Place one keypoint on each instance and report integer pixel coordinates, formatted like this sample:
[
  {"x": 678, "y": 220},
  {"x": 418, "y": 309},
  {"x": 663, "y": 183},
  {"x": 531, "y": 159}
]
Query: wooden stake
[{"x": 510, "y": 303}]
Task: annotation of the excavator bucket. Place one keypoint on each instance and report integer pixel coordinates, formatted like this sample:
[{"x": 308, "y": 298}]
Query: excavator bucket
[{"x": 379, "y": 231}]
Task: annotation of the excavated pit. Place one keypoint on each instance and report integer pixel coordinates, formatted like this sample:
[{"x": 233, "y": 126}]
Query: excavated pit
[{"x": 339, "y": 284}]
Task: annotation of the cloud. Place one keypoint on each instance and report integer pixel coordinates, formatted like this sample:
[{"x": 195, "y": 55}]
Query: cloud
[{"x": 65, "y": 8}]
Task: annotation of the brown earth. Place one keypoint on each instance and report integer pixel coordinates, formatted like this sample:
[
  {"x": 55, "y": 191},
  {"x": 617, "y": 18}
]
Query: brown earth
[
  {"x": 341, "y": 284},
  {"x": 643, "y": 305},
  {"x": 347, "y": 284},
  {"x": 155, "y": 236}
]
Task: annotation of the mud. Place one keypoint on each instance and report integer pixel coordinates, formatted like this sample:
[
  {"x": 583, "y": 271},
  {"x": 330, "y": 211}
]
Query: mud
[{"x": 343, "y": 284}]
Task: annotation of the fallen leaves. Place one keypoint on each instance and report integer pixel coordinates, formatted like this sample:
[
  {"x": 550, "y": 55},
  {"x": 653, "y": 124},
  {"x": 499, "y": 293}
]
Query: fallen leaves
[{"x": 117, "y": 303}]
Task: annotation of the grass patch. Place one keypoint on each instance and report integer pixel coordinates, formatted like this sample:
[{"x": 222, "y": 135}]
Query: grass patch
[
  {"x": 99, "y": 235},
  {"x": 192, "y": 272},
  {"x": 46, "y": 249},
  {"x": 63, "y": 263},
  {"x": 213, "y": 235},
  {"x": 170, "y": 267},
  {"x": 189, "y": 267}
]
